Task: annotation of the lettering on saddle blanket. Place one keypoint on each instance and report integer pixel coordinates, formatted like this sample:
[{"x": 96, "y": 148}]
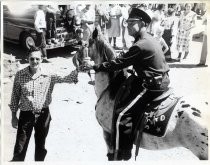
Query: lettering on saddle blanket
[{"x": 157, "y": 117}]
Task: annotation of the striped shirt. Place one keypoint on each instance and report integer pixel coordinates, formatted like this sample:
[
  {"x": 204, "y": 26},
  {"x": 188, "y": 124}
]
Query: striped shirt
[{"x": 32, "y": 93}]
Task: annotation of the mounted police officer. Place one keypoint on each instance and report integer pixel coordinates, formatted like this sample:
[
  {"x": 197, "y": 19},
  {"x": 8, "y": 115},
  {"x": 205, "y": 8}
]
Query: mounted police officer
[{"x": 148, "y": 61}]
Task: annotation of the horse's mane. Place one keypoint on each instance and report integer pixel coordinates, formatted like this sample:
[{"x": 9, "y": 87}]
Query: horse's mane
[
  {"x": 105, "y": 48},
  {"x": 116, "y": 78}
]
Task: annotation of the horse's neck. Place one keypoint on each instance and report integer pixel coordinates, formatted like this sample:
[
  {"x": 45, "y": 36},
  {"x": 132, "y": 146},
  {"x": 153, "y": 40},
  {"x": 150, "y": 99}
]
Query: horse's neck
[
  {"x": 101, "y": 79},
  {"x": 101, "y": 82}
]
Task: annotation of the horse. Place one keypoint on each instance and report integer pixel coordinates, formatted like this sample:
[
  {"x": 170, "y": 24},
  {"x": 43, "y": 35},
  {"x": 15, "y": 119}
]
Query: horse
[{"x": 186, "y": 127}]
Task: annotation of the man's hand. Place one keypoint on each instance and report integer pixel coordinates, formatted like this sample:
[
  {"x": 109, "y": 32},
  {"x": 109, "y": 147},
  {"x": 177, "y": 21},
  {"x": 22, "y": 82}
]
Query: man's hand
[
  {"x": 87, "y": 67},
  {"x": 14, "y": 120}
]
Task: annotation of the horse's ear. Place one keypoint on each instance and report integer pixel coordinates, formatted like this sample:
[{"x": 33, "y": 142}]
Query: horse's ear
[{"x": 95, "y": 33}]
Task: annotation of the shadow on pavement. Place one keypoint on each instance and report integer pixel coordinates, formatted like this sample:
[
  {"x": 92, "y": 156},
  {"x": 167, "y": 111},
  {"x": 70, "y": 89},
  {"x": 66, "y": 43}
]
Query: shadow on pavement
[
  {"x": 186, "y": 65},
  {"x": 173, "y": 63}
]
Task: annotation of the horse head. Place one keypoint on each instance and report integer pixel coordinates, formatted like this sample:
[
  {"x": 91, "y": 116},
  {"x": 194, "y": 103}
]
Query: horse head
[{"x": 96, "y": 49}]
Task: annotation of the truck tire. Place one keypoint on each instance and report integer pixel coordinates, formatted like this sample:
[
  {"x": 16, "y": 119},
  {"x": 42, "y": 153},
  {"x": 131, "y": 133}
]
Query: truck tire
[{"x": 27, "y": 39}]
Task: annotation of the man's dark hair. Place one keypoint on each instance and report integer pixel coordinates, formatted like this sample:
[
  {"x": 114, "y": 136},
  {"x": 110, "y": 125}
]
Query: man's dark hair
[
  {"x": 34, "y": 49},
  {"x": 160, "y": 6}
]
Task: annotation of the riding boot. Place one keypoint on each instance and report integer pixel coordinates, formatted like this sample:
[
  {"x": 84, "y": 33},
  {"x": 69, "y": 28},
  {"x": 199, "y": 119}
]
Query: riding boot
[
  {"x": 122, "y": 155},
  {"x": 110, "y": 156},
  {"x": 126, "y": 155}
]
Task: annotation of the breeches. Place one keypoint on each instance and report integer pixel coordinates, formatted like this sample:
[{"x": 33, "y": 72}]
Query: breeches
[
  {"x": 127, "y": 120},
  {"x": 26, "y": 124}
]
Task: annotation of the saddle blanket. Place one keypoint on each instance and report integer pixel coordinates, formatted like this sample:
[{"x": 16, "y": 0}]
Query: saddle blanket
[{"x": 158, "y": 116}]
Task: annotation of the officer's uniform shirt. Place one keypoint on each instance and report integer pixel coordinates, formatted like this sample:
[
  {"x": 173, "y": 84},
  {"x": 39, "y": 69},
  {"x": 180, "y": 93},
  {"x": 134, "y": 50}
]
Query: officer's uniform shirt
[{"x": 145, "y": 55}]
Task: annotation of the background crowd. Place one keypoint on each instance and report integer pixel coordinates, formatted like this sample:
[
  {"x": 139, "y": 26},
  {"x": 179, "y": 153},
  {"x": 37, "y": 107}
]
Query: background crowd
[{"x": 171, "y": 23}]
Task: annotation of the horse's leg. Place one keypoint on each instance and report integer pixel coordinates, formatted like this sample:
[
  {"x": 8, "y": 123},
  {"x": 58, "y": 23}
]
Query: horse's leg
[
  {"x": 193, "y": 131},
  {"x": 110, "y": 150},
  {"x": 187, "y": 128}
]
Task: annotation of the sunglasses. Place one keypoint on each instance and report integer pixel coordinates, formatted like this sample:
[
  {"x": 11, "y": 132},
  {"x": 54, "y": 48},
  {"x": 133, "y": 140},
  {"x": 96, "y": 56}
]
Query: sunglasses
[
  {"x": 132, "y": 22},
  {"x": 33, "y": 59}
]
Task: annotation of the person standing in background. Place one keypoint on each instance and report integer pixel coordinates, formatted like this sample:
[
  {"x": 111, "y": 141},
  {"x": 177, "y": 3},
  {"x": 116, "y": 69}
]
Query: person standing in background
[
  {"x": 115, "y": 30},
  {"x": 185, "y": 25},
  {"x": 157, "y": 18},
  {"x": 70, "y": 21},
  {"x": 40, "y": 26},
  {"x": 102, "y": 17},
  {"x": 158, "y": 36},
  {"x": 51, "y": 24},
  {"x": 168, "y": 24},
  {"x": 204, "y": 51},
  {"x": 63, "y": 9},
  {"x": 87, "y": 16},
  {"x": 124, "y": 11},
  {"x": 149, "y": 10}
]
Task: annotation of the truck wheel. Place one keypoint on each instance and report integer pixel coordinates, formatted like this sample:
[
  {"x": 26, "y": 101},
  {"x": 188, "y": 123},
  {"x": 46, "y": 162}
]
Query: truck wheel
[{"x": 27, "y": 40}]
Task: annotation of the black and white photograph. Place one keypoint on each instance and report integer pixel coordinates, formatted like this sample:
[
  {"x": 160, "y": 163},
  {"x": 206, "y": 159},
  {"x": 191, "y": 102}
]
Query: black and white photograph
[{"x": 98, "y": 82}]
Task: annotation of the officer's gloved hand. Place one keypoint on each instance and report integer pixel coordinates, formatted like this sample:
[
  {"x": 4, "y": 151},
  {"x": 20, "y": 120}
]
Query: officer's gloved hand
[{"x": 121, "y": 53}]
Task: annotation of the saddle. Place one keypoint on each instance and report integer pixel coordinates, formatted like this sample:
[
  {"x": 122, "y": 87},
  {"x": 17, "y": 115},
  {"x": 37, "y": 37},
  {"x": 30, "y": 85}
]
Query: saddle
[
  {"x": 153, "y": 119},
  {"x": 158, "y": 113},
  {"x": 156, "y": 117}
]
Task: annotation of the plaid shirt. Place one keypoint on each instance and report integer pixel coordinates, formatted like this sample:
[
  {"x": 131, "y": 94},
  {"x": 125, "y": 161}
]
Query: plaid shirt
[{"x": 32, "y": 93}]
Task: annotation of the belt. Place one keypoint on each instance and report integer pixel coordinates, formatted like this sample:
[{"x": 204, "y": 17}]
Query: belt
[
  {"x": 157, "y": 82},
  {"x": 43, "y": 110}
]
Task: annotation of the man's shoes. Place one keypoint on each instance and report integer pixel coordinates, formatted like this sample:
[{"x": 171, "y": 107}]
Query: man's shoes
[
  {"x": 110, "y": 156},
  {"x": 45, "y": 61},
  {"x": 200, "y": 64}
]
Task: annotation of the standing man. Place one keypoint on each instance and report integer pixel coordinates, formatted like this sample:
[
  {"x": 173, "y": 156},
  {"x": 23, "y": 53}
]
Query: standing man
[
  {"x": 31, "y": 94},
  {"x": 51, "y": 24},
  {"x": 40, "y": 26},
  {"x": 204, "y": 51},
  {"x": 87, "y": 21},
  {"x": 115, "y": 28},
  {"x": 124, "y": 10},
  {"x": 148, "y": 61}
]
